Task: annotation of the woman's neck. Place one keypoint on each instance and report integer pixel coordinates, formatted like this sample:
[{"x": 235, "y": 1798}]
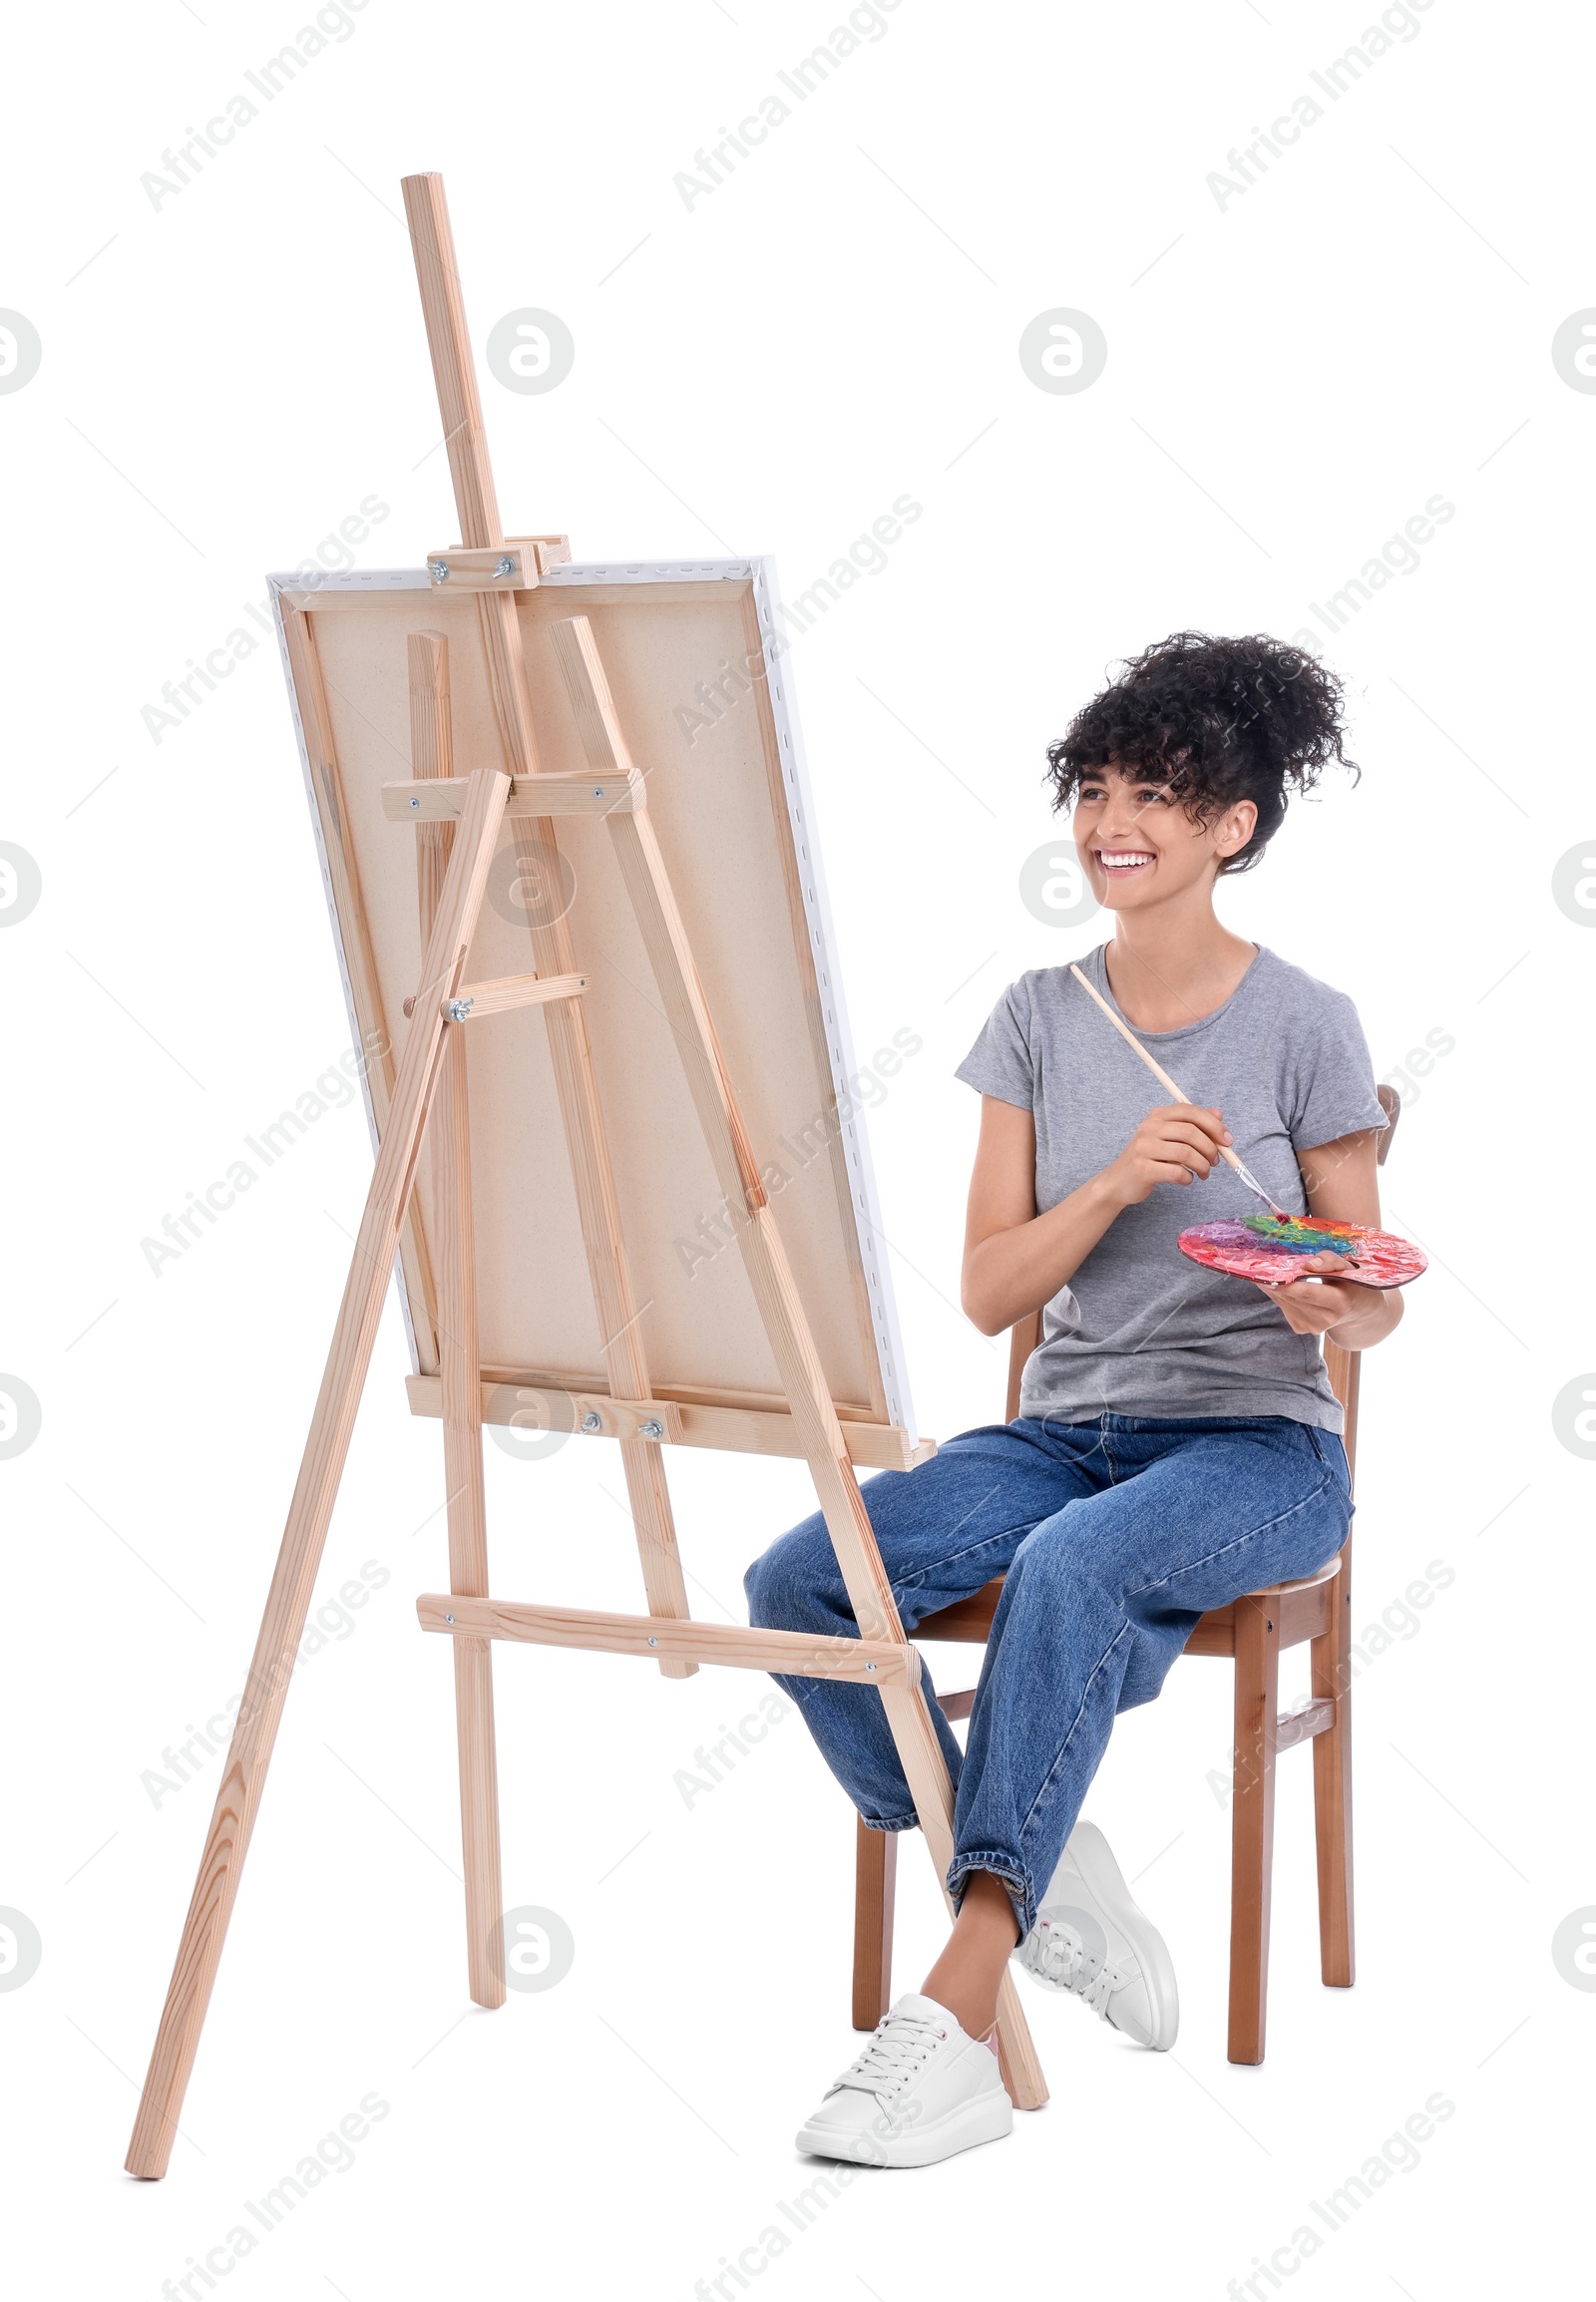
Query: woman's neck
[{"x": 1167, "y": 971}]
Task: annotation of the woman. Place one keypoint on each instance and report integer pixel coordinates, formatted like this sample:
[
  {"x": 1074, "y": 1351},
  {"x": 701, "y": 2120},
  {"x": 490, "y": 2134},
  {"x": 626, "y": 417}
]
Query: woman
[{"x": 1177, "y": 1442}]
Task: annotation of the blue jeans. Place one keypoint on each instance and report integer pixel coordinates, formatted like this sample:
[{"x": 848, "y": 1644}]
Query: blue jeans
[{"x": 1114, "y": 1537}]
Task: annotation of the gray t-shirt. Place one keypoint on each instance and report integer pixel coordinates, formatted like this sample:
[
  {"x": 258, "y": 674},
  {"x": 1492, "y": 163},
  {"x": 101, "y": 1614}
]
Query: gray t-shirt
[{"x": 1141, "y": 1330}]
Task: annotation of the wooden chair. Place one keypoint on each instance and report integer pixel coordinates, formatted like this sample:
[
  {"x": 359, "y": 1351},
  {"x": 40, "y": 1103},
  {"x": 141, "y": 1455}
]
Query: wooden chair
[{"x": 1251, "y": 1633}]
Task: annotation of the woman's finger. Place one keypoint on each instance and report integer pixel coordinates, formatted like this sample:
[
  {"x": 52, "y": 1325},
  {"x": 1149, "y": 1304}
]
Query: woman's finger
[
  {"x": 1205, "y": 1126},
  {"x": 1209, "y": 1123},
  {"x": 1190, "y": 1150},
  {"x": 1177, "y": 1131},
  {"x": 1188, "y": 1164}
]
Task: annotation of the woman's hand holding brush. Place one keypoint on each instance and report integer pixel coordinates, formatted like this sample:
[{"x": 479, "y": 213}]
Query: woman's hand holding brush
[{"x": 1177, "y": 1143}]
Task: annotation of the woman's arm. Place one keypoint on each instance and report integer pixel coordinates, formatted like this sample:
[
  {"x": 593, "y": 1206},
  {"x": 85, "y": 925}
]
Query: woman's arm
[
  {"x": 1017, "y": 1260},
  {"x": 1342, "y": 1180}
]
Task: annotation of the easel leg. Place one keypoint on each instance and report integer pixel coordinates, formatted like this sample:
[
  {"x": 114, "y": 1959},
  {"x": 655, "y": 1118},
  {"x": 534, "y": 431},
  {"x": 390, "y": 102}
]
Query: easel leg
[
  {"x": 309, "y": 1514},
  {"x": 933, "y": 1791},
  {"x": 803, "y": 1376},
  {"x": 468, "y": 1525},
  {"x": 875, "y": 1890}
]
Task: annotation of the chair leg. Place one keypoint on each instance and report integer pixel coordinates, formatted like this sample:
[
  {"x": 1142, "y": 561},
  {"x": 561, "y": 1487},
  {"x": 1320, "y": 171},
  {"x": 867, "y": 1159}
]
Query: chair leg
[
  {"x": 1333, "y": 1789},
  {"x": 1252, "y": 1845},
  {"x": 874, "y": 1885}
]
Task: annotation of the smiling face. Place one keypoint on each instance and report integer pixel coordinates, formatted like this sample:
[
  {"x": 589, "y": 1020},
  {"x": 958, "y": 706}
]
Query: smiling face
[{"x": 1138, "y": 846}]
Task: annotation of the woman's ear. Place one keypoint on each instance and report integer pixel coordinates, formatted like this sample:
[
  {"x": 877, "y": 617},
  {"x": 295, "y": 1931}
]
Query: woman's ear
[{"x": 1236, "y": 827}]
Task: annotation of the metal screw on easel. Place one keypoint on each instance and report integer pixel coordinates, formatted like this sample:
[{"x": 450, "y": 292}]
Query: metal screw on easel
[
  {"x": 458, "y": 1010},
  {"x": 415, "y": 803},
  {"x": 870, "y": 1666},
  {"x": 439, "y": 571},
  {"x": 450, "y": 1619},
  {"x": 505, "y": 566},
  {"x": 592, "y": 1420},
  {"x": 654, "y": 1641},
  {"x": 652, "y": 1429}
]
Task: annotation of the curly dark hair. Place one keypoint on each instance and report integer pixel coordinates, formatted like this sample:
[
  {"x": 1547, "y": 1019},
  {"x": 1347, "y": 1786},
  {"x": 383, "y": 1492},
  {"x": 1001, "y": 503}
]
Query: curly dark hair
[{"x": 1215, "y": 721}]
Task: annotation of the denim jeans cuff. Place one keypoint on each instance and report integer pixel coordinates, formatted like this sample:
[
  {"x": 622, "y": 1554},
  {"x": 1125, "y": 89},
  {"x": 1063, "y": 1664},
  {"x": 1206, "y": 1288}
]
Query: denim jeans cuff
[
  {"x": 1013, "y": 1875},
  {"x": 909, "y": 1821}
]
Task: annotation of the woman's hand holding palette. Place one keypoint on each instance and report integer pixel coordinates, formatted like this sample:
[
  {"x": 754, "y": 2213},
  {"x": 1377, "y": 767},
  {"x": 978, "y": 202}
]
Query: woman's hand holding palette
[{"x": 1272, "y": 1250}]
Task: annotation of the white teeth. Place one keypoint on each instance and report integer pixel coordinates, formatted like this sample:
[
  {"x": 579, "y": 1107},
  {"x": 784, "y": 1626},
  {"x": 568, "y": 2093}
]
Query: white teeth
[{"x": 1118, "y": 863}]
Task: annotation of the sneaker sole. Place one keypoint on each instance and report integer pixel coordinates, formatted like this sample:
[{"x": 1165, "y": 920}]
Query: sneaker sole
[
  {"x": 1095, "y": 1862},
  {"x": 986, "y": 2120}
]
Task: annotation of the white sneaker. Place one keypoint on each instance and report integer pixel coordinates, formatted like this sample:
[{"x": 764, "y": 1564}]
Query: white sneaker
[
  {"x": 922, "y": 2089},
  {"x": 1090, "y": 1938}
]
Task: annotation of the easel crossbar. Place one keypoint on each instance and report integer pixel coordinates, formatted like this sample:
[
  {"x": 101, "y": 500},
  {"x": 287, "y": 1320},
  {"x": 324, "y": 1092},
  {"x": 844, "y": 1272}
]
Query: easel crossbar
[
  {"x": 500, "y": 993},
  {"x": 440, "y": 799},
  {"x": 873, "y": 1661},
  {"x": 512, "y": 1399}
]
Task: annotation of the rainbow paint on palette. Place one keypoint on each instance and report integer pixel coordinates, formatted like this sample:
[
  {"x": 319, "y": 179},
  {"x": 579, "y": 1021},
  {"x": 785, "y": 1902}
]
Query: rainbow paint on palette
[{"x": 1272, "y": 1249}]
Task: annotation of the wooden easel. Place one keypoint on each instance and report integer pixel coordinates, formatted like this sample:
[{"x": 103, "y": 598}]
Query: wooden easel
[{"x": 457, "y": 824}]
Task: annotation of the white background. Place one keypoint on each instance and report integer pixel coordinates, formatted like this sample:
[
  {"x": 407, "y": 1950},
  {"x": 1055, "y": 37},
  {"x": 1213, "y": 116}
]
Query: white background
[{"x": 225, "y": 376}]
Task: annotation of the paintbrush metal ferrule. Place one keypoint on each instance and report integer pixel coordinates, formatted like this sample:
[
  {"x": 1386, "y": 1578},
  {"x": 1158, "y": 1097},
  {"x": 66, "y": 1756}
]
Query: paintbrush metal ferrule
[{"x": 1253, "y": 1185}]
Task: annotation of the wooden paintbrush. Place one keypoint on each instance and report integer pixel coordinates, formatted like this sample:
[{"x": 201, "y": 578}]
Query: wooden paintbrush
[{"x": 1161, "y": 1074}]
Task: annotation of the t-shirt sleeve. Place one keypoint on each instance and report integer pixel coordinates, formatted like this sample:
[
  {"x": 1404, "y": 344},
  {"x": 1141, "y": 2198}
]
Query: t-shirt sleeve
[
  {"x": 1332, "y": 1082},
  {"x": 1000, "y": 1061}
]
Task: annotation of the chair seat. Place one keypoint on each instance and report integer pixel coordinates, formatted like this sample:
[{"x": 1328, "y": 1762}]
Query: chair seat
[{"x": 1304, "y": 1611}]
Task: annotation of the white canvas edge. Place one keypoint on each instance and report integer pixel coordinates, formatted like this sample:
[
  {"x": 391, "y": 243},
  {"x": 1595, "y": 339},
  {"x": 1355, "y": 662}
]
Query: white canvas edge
[
  {"x": 277, "y": 585},
  {"x": 817, "y": 911},
  {"x": 839, "y": 1039}
]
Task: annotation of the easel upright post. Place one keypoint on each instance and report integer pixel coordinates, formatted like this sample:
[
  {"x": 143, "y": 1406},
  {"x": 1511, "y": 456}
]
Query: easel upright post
[
  {"x": 458, "y": 1364},
  {"x": 310, "y": 1513},
  {"x": 614, "y": 1298}
]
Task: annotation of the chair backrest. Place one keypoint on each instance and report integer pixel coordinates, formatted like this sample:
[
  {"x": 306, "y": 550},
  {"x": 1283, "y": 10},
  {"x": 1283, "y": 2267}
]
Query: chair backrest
[{"x": 1340, "y": 1365}]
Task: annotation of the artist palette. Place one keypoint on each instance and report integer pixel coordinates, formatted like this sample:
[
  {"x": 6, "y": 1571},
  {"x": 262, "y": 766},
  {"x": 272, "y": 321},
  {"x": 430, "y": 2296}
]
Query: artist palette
[{"x": 1273, "y": 1249}]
